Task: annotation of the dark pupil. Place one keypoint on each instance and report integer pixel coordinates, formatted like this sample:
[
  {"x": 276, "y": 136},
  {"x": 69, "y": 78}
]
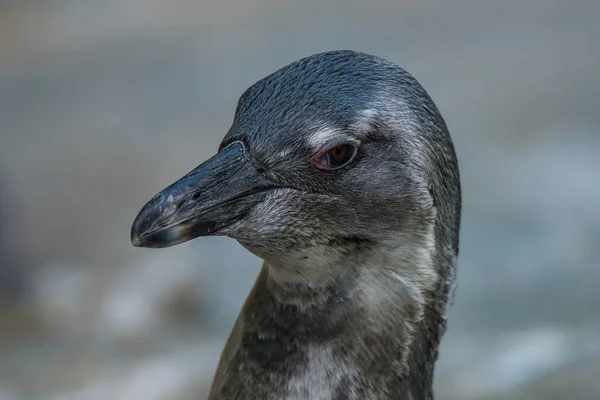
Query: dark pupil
[{"x": 340, "y": 155}]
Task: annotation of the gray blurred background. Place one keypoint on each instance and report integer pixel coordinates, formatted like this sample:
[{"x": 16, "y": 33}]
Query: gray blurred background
[{"x": 104, "y": 103}]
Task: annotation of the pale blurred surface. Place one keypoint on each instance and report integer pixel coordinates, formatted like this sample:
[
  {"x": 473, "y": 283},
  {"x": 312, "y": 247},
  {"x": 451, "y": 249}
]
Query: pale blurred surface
[{"x": 104, "y": 103}]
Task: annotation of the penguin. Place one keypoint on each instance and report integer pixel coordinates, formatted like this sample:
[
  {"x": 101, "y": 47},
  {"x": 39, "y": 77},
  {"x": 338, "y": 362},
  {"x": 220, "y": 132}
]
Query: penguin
[{"x": 340, "y": 173}]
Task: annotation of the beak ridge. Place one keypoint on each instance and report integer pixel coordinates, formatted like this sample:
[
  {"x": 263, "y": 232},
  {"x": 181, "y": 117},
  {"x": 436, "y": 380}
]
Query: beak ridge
[{"x": 216, "y": 194}]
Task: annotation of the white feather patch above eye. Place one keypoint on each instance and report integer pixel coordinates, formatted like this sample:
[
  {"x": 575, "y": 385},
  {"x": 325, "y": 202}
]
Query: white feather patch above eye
[
  {"x": 364, "y": 120},
  {"x": 322, "y": 135}
]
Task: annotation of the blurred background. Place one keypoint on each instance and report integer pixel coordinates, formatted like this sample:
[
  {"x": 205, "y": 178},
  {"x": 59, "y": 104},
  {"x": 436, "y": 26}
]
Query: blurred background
[{"x": 104, "y": 103}]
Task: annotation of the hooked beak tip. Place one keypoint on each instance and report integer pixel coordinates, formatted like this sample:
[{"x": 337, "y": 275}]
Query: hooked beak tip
[{"x": 135, "y": 239}]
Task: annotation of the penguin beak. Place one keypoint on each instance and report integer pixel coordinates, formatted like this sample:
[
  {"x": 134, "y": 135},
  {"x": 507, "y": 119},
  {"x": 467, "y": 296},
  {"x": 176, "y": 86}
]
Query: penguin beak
[{"x": 215, "y": 195}]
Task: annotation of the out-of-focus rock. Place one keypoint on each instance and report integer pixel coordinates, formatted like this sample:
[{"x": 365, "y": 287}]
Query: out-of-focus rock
[
  {"x": 64, "y": 296},
  {"x": 181, "y": 373},
  {"x": 523, "y": 365},
  {"x": 14, "y": 273},
  {"x": 152, "y": 293}
]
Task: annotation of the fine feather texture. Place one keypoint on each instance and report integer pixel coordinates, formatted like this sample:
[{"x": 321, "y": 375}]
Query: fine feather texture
[{"x": 359, "y": 263}]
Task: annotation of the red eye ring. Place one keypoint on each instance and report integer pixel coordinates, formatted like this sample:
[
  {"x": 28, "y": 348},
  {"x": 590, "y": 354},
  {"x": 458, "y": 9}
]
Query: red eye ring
[{"x": 335, "y": 156}]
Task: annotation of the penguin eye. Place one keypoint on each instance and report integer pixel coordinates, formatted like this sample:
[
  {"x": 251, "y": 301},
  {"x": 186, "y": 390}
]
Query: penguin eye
[{"x": 334, "y": 156}]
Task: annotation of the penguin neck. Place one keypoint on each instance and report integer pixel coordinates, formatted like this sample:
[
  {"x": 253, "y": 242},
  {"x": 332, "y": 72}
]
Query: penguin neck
[{"x": 376, "y": 320}]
